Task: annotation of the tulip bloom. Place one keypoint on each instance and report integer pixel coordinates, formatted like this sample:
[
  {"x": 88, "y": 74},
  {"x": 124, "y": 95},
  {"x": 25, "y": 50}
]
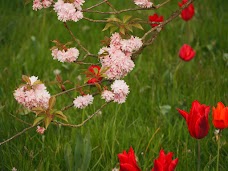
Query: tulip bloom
[
  {"x": 93, "y": 74},
  {"x": 220, "y": 116},
  {"x": 187, "y": 13},
  {"x": 186, "y": 52},
  {"x": 164, "y": 162},
  {"x": 197, "y": 119},
  {"x": 128, "y": 161},
  {"x": 155, "y": 18}
]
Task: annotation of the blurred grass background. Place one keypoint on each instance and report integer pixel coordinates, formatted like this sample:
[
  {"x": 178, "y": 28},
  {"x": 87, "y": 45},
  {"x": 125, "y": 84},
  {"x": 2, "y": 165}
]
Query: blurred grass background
[{"x": 159, "y": 84}]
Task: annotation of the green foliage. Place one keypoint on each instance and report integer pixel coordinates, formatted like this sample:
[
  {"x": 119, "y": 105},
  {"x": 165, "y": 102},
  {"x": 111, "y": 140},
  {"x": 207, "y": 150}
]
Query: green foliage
[{"x": 155, "y": 83}]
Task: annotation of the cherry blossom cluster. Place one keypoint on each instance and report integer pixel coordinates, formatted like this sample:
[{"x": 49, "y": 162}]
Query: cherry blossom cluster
[
  {"x": 69, "y": 11},
  {"x": 119, "y": 92},
  {"x": 39, "y": 4},
  {"x": 143, "y": 3},
  {"x": 69, "y": 55},
  {"x": 33, "y": 94},
  {"x": 81, "y": 102},
  {"x": 117, "y": 57}
]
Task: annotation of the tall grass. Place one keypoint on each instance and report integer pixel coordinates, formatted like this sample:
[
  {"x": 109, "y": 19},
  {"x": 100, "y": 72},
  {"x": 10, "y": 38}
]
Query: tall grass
[{"x": 159, "y": 84}]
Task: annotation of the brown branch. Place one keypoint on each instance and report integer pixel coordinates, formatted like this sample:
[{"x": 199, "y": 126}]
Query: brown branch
[
  {"x": 18, "y": 134},
  {"x": 95, "y": 21},
  {"x": 96, "y": 5},
  {"x": 81, "y": 124},
  {"x": 78, "y": 42},
  {"x": 126, "y": 10},
  {"x": 20, "y": 120}
]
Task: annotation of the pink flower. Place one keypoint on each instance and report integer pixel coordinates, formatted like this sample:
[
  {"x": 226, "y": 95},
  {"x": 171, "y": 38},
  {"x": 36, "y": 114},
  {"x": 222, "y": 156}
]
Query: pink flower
[
  {"x": 143, "y": 3},
  {"x": 69, "y": 55},
  {"x": 120, "y": 90},
  {"x": 32, "y": 95},
  {"x": 107, "y": 95},
  {"x": 39, "y": 4},
  {"x": 68, "y": 11},
  {"x": 82, "y": 101},
  {"x": 117, "y": 57},
  {"x": 40, "y": 130}
]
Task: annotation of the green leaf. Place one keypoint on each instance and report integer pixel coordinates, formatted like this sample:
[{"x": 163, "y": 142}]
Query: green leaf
[
  {"x": 87, "y": 152},
  {"x": 78, "y": 152},
  {"x": 137, "y": 25},
  {"x": 47, "y": 121},
  {"x": 37, "y": 82},
  {"x": 114, "y": 19},
  {"x": 122, "y": 30},
  {"x": 113, "y": 29},
  {"x": 126, "y": 18},
  {"x": 59, "y": 114},
  {"x": 68, "y": 156},
  {"x": 129, "y": 28},
  {"x": 107, "y": 26},
  {"x": 51, "y": 102},
  {"x": 38, "y": 119},
  {"x": 96, "y": 71},
  {"x": 98, "y": 86},
  {"x": 26, "y": 79}
]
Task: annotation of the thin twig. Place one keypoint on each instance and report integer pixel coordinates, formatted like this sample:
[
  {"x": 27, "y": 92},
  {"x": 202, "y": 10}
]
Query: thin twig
[
  {"x": 20, "y": 120},
  {"x": 18, "y": 134},
  {"x": 81, "y": 124},
  {"x": 96, "y": 5},
  {"x": 78, "y": 42}
]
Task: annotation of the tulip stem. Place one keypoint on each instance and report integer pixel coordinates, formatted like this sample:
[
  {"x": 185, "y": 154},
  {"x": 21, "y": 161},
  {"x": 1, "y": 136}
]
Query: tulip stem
[
  {"x": 217, "y": 167},
  {"x": 198, "y": 163}
]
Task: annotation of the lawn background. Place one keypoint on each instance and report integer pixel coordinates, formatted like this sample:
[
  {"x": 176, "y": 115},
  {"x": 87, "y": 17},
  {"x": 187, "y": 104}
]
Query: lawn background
[{"x": 159, "y": 84}]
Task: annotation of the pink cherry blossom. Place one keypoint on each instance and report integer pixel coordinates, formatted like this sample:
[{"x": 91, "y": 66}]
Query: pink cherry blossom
[
  {"x": 40, "y": 130},
  {"x": 69, "y": 11},
  {"x": 39, "y": 4},
  {"x": 117, "y": 57},
  {"x": 143, "y": 3},
  {"x": 82, "y": 101},
  {"x": 120, "y": 90},
  {"x": 107, "y": 95},
  {"x": 70, "y": 55},
  {"x": 31, "y": 95}
]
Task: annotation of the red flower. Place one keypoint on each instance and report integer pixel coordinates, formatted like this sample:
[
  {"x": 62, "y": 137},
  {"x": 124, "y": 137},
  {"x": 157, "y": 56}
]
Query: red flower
[
  {"x": 155, "y": 18},
  {"x": 197, "y": 119},
  {"x": 165, "y": 162},
  {"x": 186, "y": 52},
  {"x": 128, "y": 161},
  {"x": 93, "y": 74},
  {"x": 220, "y": 116},
  {"x": 188, "y": 12}
]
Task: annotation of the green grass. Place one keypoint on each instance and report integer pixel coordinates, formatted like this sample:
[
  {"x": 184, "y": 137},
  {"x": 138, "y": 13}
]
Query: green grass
[{"x": 155, "y": 81}]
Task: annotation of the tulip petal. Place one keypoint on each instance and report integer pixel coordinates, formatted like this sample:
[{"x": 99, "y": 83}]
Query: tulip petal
[
  {"x": 183, "y": 113},
  {"x": 201, "y": 127},
  {"x": 173, "y": 165}
]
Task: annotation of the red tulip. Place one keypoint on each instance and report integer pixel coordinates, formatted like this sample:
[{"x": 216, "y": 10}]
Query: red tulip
[
  {"x": 155, "y": 18},
  {"x": 188, "y": 12},
  {"x": 165, "y": 162},
  {"x": 93, "y": 74},
  {"x": 186, "y": 52},
  {"x": 197, "y": 119},
  {"x": 220, "y": 116},
  {"x": 128, "y": 161}
]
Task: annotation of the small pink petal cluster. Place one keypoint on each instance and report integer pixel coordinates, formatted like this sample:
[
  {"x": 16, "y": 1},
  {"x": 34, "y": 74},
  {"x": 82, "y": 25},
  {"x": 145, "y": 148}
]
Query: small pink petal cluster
[
  {"x": 143, "y": 3},
  {"x": 40, "y": 130},
  {"x": 119, "y": 92},
  {"x": 32, "y": 95},
  {"x": 39, "y": 4},
  {"x": 69, "y": 11},
  {"x": 117, "y": 57},
  {"x": 82, "y": 101},
  {"x": 70, "y": 55}
]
